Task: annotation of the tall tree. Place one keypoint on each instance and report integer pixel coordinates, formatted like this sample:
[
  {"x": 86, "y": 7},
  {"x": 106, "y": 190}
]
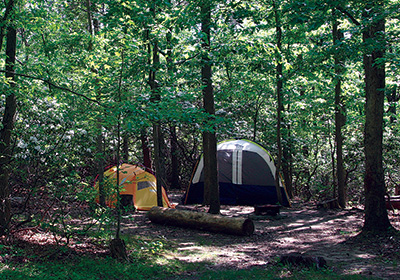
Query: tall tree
[
  {"x": 211, "y": 186},
  {"x": 376, "y": 217},
  {"x": 279, "y": 92},
  {"x": 340, "y": 117},
  {"x": 7, "y": 124},
  {"x": 99, "y": 122},
  {"x": 158, "y": 138}
]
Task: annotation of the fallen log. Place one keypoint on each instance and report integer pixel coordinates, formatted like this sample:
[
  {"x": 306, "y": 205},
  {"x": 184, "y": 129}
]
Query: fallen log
[
  {"x": 392, "y": 202},
  {"x": 328, "y": 204},
  {"x": 267, "y": 209},
  {"x": 201, "y": 220}
]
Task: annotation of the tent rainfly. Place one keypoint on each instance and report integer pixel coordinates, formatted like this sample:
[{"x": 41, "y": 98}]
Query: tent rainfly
[
  {"x": 246, "y": 176},
  {"x": 138, "y": 187}
]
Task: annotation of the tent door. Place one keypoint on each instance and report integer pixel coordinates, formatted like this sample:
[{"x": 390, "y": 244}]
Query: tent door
[
  {"x": 237, "y": 160},
  {"x": 126, "y": 200}
]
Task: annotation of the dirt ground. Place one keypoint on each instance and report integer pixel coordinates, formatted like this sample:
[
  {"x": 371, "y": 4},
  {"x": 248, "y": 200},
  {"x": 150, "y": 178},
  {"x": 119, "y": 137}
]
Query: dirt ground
[{"x": 331, "y": 234}]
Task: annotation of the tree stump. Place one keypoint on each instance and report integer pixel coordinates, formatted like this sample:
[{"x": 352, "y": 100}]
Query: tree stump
[
  {"x": 118, "y": 249},
  {"x": 201, "y": 220}
]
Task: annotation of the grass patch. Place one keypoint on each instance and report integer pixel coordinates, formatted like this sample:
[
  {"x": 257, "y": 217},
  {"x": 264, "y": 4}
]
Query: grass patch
[
  {"x": 83, "y": 268},
  {"x": 278, "y": 272},
  {"x": 150, "y": 259},
  {"x": 86, "y": 268}
]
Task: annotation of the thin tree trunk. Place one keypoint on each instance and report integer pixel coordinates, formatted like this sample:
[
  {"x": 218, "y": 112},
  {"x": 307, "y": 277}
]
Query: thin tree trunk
[
  {"x": 125, "y": 148},
  {"x": 100, "y": 162},
  {"x": 117, "y": 245},
  {"x": 174, "y": 159},
  {"x": 279, "y": 87},
  {"x": 157, "y": 131},
  {"x": 146, "y": 150},
  {"x": 99, "y": 158},
  {"x": 7, "y": 13},
  {"x": 6, "y": 130},
  {"x": 288, "y": 160},
  {"x": 376, "y": 217},
  {"x": 340, "y": 118},
  {"x": 211, "y": 186}
]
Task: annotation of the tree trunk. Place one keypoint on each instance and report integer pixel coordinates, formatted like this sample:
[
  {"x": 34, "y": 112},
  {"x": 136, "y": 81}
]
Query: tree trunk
[
  {"x": 392, "y": 97},
  {"x": 125, "y": 148},
  {"x": 6, "y": 130},
  {"x": 157, "y": 132},
  {"x": 99, "y": 158},
  {"x": 146, "y": 150},
  {"x": 100, "y": 162},
  {"x": 340, "y": 118},
  {"x": 175, "y": 184},
  {"x": 118, "y": 249},
  {"x": 201, "y": 220},
  {"x": 157, "y": 138},
  {"x": 279, "y": 87},
  {"x": 376, "y": 217},
  {"x": 7, "y": 13},
  {"x": 211, "y": 186}
]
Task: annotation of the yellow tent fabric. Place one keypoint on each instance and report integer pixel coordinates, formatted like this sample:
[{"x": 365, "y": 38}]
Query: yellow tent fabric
[{"x": 134, "y": 181}]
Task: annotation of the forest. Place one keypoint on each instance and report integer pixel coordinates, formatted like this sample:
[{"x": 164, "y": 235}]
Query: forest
[{"x": 89, "y": 84}]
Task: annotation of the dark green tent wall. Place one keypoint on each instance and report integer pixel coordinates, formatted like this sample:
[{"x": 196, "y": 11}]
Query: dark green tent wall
[{"x": 246, "y": 176}]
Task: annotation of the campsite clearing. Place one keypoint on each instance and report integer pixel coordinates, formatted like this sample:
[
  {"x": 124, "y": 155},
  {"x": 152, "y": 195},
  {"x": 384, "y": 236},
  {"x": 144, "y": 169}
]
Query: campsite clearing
[{"x": 331, "y": 234}]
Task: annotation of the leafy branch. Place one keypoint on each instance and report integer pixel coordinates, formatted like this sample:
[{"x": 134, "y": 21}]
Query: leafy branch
[{"x": 54, "y": 86}]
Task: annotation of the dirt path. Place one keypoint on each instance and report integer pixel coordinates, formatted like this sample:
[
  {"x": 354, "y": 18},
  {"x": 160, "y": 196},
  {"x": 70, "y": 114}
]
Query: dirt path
[{"x": 301, "y": 229}]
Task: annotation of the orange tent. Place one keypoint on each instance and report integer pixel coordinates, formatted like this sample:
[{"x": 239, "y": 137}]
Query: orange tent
[{"x": 136, "y": 184}]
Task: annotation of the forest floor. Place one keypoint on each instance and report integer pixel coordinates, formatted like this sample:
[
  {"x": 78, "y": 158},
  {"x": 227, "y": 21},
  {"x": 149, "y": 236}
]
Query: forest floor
[{"x": 331, "y": 234}]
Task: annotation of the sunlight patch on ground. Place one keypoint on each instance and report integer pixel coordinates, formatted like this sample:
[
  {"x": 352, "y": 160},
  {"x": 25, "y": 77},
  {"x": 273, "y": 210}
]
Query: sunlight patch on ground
[
  {"x": 363, "y": 255},
  {"x": 206, "y": 254}
]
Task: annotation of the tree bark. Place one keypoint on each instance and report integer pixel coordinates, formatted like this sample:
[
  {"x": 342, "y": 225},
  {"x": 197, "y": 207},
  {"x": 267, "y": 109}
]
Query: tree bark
[
  {"x": 157, "y": 131},
  {"x": 174, "y": 159},
  {"x": 146, "y": 150},
  {"x": 211, "y": 186},
  {"x": 125, "y": 148},
  {"x": 376, "y": 217},
  {"x": 7, "y": 13},
  {"x": 340, "y": 117},
  {"x": 7, "y": 129},
  {"x": 99, "y": 158},
  {"x": 100, "y": 162},
  {"x": 279, "y": 87},
  {"x": 201, "y": 220}
]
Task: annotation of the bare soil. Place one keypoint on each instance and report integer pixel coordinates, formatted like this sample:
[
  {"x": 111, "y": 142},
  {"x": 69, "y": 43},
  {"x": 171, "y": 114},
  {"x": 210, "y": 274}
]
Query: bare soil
[{"x": 331, "y": 234}]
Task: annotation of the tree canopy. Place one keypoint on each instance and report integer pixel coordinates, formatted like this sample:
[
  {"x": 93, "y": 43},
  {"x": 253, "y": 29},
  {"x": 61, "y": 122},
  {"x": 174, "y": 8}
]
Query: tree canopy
[{"x": 128, "y": 70}]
